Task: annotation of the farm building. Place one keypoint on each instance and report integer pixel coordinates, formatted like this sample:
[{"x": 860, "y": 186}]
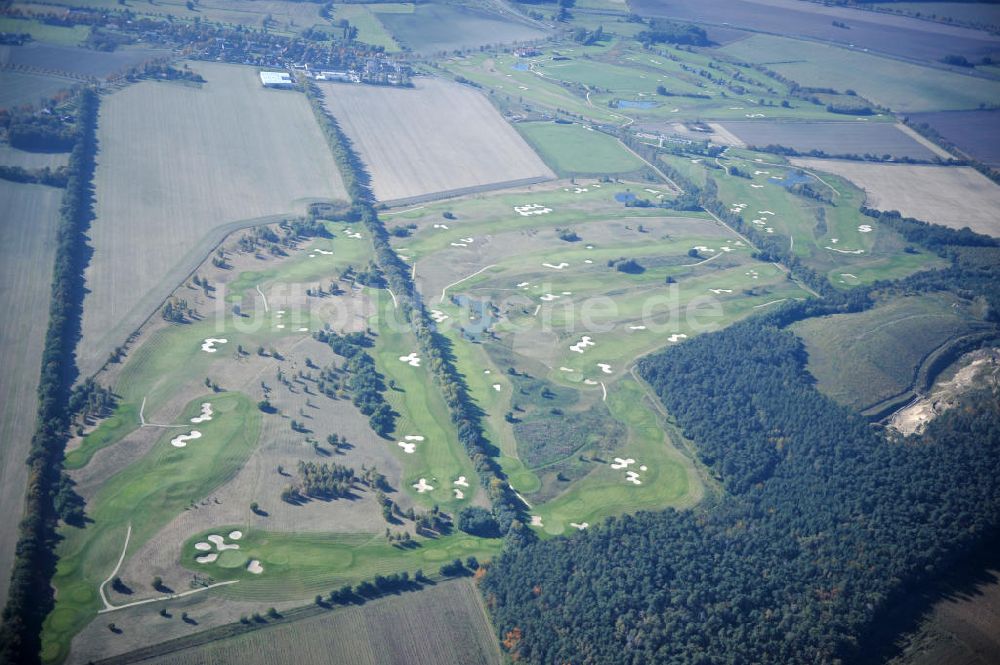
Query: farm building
[{"x": 276, "y": 79}]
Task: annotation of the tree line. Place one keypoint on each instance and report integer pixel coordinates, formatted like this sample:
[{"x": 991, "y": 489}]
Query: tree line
[{"x": 30, "y": 598}]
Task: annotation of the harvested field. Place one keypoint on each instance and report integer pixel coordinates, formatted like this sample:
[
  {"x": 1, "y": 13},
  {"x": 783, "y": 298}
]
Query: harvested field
[
  {"x": 976, "y": 133},
  {"x": 175, "y": 172},
  {"x": 895, "y": 35},
  {"x": 17, "y": 88},
  {"x": 898, "y": 85},
  {"x": 26, "y": 256},
  {"x": 70, "y": 61},
  {"x": 452, "y": 139},
  {"x": 444, "y": 624},
  {"x": 31, "y": 160},
  {"x": 833, "y": 138},
  {"x": 432, "y": 28},
  {"x": 948, "y": 195}
]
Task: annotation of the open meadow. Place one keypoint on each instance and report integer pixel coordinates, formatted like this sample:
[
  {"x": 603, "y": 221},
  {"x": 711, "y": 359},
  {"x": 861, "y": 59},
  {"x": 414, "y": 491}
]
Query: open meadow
[
  {"x": 434, "y": 140},
  {"x": 436, "y": 27},
  {"x": 178, "y": 167},
  {"x": 31, "y": 213},
  {"x": 579, "y": 150},
  {"x": 953, "y": 196}
]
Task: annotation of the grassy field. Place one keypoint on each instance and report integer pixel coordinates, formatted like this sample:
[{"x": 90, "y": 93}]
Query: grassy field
[
  {"x": 410, "y": 628},
  {"x": 29, "y": 226},
  {"x": 451, "y": 131},
  {"x": 578, "y": 150},
  {"x": 431, "y": 28},
  {"x": 19, "y": 88},
  {"x": 370, "y": 28},
  {"x": 898, "y": 85},
  {"x": 42, "y": 32},
  {"x": 862, "y": 359},
  {"x": 164, "y": 197},
  {"x": 129, "y": 500}
]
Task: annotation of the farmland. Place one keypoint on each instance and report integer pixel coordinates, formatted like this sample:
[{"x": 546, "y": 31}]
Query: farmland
[
  {"x": 900, "y": 86},
  {"x": 976, "y": 133},
  {"x": 578, "y": 150},
  {"x": 432, "y": 28},
  {"x": 29, "y": 227},
  {"x": 390, "y": 630},
  {"x": 951, "y": 196},
  {"x": 857, "y": 358},
  {"x": 74, "y": 62},
  {"x": 474, "y": 149},
  {"x": 833, "y": 138},
  {"x": 19, "y": 88},
  {"x": 163, "y": 198}
]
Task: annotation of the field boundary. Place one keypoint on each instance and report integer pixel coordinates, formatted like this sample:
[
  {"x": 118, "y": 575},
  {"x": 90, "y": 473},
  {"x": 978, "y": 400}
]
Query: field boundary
[{"x": 462, "y": 191}]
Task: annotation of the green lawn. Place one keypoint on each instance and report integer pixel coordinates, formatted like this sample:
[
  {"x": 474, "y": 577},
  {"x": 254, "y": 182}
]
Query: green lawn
[
  {"x": 146, "y": 495},
  {"x": 576, "y": 150},
  {"x": 370, "y": 29},
  {"x": 41, "y": 32}
]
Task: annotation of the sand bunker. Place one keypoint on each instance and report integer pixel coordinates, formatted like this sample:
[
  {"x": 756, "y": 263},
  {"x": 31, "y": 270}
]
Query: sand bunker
[
  {"x": 566, "y": 369},
  {"x": 458, "y": 244},
  {"x": 255, "y": 567},
  {"x": 581, "y": 526},
  {"x": 496, "y": 387},
  {"x": 845, "y": 251},
  {"x": 637, "y": 327},
  {"x": 523, "y": 285},
  {"x": 590, "y": 382},
  {"x": 280, "y": 326},
  {"x": 421, "y": 486},
  {"x": 620, "y": 463},
  {"x": 556, "y": 267},
  {"x": 633, "y": 477},
  {"x": 207, "y": 558},
  {"x": 208, "y": 346},
  {"x": 584, "y": 342},
  {"x": 461, "y": 482},
  {"x": 643, "y": 468},
  {"x": 531, "y": 209},
  {"x": 548, "y": 297},
  {"x": 459, "y": 494},
  {"x": 206, "y": 414},
  {"x": 354, "y": 235},
  {"x": 413, "y": 360},
  {"x": 303, "y": 329},
  {"x": 756, "y": 186},
  {"x": 587, "y": 261},
  {"x": 235, "y": 535},
  {"x": 606, "y": 368},
  {"x": 438, "y": 316},
  {"x": 413, "y": 437},
  {"x": 469, "y": 240},
  {"x": 220, "y": 543},
  {"x": 323, "y": 252},
  {"x": 765, "y": 212},
  {"x": 676, "y": 337},
  {"x": 203, "y": 547},
  {"x": 180, "y": 441},
  {"x": 769, "y": 229},
  {"x": 536, "y": 520},
  {"x": 865, "y": 228},
  {"x": 441, "y": 226},
  {"x": 408, "y": 448},
  {"x": 720, "y": 291}
]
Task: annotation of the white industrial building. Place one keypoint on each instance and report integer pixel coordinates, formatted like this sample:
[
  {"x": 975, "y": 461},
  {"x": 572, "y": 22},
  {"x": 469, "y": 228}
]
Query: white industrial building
[{"x": 276, "y": 80}]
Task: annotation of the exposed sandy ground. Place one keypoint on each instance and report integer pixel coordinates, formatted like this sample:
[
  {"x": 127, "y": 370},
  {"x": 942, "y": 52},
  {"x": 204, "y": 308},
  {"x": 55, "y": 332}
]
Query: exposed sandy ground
[
  {"x": 439, "y": 137},
  {"x": 177, "y": 166},
  {"x": 28, "y": 224},
  {"x": 947, "y": 195}
]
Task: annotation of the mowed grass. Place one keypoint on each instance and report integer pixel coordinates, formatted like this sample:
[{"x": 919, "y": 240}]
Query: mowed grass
[
  {"x": 573, "y": 149},
  {"x": 31, "y": 214},
  {"x": 370, "y": 29},
  {"x": 445, "y": 624},
  {"x": 180, "y": 166},
  {"x": 669, "y": 478},
  {"x": 440, "y": 458},
  {"x": 42, "y": 32},
  {"x": 298, "y": 566},
  {"x": 901, "y": 86},
  {"x": 145, "y": 495},
  {"x": 862, "y": 359}
]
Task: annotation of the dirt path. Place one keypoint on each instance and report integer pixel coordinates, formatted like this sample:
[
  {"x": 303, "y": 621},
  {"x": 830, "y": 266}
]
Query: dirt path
[
  {"x": 107, "y": 604},
  {"x": 262, "y": 296},
  {"x": 445, "y": 289}
]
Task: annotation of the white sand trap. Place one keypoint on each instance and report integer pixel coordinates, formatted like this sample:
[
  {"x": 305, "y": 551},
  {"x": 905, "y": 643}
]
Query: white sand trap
[
  {"x": 203, "y": 547},
  {"x": 754, "y": 115},
  {"x": 845, "y": 251},
  {"x": 459, "y": 494},
  {"x": 303, "y": 329},
  {"x": 355, "y": 236},
  {"x": 408, "y": 448},
  {"x": 587, "y": 261},
  {"x": 769, "y": 229},
  {"x": 486, "y": 371},
  {"x": 736, "y": 108},
  {"x": 208, "y": 346},
  {"x": 421, "y": 486},
  {"x": 441, "y": 226},
  {"x": 523, "y": 284},
  {"x": 438, "y": 316},
  {"x": 255, "y": 567},
  {"x": 865, "y": 228},
  {"x": 413, "y": 437},
  {"x": 590, "y": 247},
  {"x": 584, "y": 342},
  {"x": 206, "y": 414},
  {"x": 758, "y": 222},
  {"x": 720, "y": 291},
  {"x": 496, "y": 387},
  {"x": 696, "y": 161},
  {"x": 281, "y": 312},
  {"x": 207, "y": 558},
  {"x": 312, "y": 256},
  {"x": 580, "y": 190},
  {"x": 458, "y": 244},
  {"x": 461, "y": 482},
  {"x": 652, "y": 191},
  {"x": 727, "y": 249},
  {"x": 590, "y": 382},
  {"x": 567, "y": 293},
  {"x": 637, "y": 327},
  {"x": 531, "y": 209},
  {"x": 413, "y": 360},
  {"x": 756, "y": 186},
  {"x": 235, "y": 535},
  {"x": 566, "y": 369},
  {"x": 556, "y": 267},
  {"x": 180, "y": 441},
  {"x": 323, "y": 252},
  {"x": 536, "y": 520},
  {"x": 834, "y": 240},
  {"x": 606, "y": 368},
  {"x": 633, "y": 477},
  {"x": 643, "y": 468},
  {"x": 220, "y": 543},
  {"x": 847, "y": 275},
  {"x": 620, "y": 463},
  {"x": 280, "y": 326},
  {"x": 580, "y": 526},
  {"x": 466, "y": 239},
  {"x": 676, "y": 337},
  {"x": 765, "y": 212},
  {"x": 548, "y": 297}
]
